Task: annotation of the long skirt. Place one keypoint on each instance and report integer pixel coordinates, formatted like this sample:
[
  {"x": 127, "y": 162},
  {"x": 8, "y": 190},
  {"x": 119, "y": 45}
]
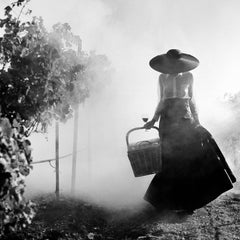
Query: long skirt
[{"x": 194, "y": 171}]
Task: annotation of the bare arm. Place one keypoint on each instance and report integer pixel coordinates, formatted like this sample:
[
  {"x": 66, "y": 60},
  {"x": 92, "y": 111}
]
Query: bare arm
[
  {"x": 160, "y": 104},
  {"x": 192, "y": 101},
  {"x": 159, "y": 107}
]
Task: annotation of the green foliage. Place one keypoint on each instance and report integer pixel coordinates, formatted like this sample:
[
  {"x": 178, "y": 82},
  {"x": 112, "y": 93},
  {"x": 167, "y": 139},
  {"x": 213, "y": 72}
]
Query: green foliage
[
  {"x": 44, "y": 75},
  {"x": 98, "y": 71},
  {"x": 36, "y": 72},
  {"x": 15, "y": 159}
]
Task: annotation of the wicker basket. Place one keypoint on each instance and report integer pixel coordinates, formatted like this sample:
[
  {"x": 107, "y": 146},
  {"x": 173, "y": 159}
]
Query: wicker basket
[{"x": 144, "y": 156}]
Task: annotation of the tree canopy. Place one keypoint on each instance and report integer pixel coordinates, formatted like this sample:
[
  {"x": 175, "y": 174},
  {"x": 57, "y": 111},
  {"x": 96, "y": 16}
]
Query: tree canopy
[{"x": 44, "y": 74}]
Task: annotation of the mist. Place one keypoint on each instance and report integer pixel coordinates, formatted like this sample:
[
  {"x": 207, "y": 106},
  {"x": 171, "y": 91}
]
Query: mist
[{"x": 130, "y": 33}]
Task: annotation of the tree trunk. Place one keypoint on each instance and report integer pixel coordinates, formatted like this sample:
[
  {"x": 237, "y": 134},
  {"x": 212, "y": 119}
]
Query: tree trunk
[
  {"x": 57, "y": 158},
  {"x": 89, "y": 153},
  {"x": 75, "y": 140}
]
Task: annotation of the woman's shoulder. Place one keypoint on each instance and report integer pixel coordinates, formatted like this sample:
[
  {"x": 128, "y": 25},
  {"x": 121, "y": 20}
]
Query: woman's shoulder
[
  {"x": 188, "y": 76},
  {"x": 162, "y": 77}
]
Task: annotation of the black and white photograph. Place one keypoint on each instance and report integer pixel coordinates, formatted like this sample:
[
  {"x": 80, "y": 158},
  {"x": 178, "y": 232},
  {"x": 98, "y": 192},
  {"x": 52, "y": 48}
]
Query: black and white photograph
[{"x": 119, "y": 120}]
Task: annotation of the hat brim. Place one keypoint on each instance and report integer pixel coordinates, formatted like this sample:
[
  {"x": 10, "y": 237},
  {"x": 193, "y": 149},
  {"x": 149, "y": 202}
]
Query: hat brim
[{"x": 168, "y": 65}]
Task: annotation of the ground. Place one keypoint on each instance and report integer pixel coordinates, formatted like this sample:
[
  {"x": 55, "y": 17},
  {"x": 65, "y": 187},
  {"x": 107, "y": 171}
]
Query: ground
[{"x": 72, "y": 219}]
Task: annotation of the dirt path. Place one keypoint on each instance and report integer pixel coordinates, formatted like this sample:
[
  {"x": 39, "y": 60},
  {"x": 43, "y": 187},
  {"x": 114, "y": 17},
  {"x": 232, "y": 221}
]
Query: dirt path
[
  {"x": 219, "y": 220},
  {"x": 72, "y": 219}
]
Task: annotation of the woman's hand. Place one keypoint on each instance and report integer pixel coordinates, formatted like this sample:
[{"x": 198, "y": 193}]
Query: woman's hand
[{"x": 149, "y": 124}]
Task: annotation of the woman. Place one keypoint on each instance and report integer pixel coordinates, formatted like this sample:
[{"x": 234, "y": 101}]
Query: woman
[{"x": 194, "y": 170}]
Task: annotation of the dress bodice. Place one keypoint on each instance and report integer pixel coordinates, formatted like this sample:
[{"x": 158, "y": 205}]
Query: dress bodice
[{"x": 175, "y": 86}]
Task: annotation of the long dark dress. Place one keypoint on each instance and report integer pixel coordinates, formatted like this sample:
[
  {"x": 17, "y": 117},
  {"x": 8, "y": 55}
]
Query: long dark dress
[{"x": 194, "y": 169}]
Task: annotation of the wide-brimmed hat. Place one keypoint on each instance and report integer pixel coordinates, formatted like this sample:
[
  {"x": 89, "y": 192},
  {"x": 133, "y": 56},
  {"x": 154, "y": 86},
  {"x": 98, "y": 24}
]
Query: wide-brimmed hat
[{"x": 174, "y": 61}]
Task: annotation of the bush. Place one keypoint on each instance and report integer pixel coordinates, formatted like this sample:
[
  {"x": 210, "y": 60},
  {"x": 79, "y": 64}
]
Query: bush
[{"x": 15, "y": 164}]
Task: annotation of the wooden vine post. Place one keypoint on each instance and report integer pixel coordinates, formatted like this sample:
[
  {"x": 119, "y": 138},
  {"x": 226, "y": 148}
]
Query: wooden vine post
[
  {"x": 57, "y": 157},
  {"x": 75, "y": 140},
  {"x": 75, "y": 137}
]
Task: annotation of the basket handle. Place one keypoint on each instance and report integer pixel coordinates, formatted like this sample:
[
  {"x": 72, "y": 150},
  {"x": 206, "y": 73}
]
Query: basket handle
[
  {"x": 134, "y": 129},
  {"x": 142, "y": 142}
]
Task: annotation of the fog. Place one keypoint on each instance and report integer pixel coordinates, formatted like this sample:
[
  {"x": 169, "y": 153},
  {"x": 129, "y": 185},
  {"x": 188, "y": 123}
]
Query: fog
[{"x": 130, "y": 33}]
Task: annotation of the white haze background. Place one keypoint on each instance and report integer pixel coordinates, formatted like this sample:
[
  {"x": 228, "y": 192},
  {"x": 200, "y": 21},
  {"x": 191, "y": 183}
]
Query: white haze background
[{"x": 130, "y": 33}]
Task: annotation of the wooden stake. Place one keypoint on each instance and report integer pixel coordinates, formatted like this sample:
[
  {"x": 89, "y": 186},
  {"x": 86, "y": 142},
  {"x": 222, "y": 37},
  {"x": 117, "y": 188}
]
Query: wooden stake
[
  {"x": 57, "y": 158},
  {"x": 75, "y": 134},
  {"x": 74, "y": 159}
]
